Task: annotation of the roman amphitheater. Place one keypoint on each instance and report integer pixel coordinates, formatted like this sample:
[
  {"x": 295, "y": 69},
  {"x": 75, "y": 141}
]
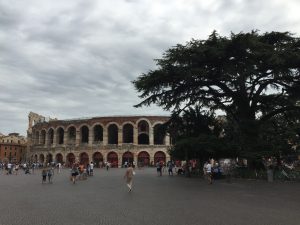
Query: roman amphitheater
[{"x": 114, "y": 139}]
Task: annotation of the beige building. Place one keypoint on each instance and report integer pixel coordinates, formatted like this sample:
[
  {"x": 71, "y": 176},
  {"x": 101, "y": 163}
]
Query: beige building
[{"x": 114, "y": 139}]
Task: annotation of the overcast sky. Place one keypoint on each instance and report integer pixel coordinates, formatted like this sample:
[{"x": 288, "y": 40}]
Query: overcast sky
[{"x": 77, "y": 58}]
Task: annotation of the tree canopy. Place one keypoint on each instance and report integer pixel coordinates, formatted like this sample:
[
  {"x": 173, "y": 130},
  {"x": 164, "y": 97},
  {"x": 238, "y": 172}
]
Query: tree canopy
[{"x": 252, "y": 77}]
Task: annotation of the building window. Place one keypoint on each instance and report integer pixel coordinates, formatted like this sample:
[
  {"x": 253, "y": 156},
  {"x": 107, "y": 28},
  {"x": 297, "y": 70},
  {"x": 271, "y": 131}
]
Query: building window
[
  {"x": 5, "y": 148},
  {"x": 5, "y": 154},
  {"x": 15, "y": 153}
]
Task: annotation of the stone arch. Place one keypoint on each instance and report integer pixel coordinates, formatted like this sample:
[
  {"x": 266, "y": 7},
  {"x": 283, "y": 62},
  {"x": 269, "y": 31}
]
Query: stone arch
[
  {"x": 158, "y": 133},
  {"x": 42, "y": 159},
  {"x": 112, "y": 131},
  {"x": 60, "y": 135},
  {"x": 98, "y": 159},
  {"x": 143, "y": 119},
  {"x": 143, "y": 132},
  {"x": 84, "y": 134},
  {"x": 50, "y": 134},
  {"x": 143, "y": 159},
  {"x": 159, "y": 156},
  {"x": 98, "y": 133},
  {"x": 84, "y": 158},
  {"x": 43, "y": 137},
  {"x": 35, "y": 158},
  {"x": 127, "y": 157},
  {"x": 70, "y": 159},
  {"x": 49, "y": 158},
  {"x": 37, "y": 137},
  {"x": 59, "y": 158},
  {"x": 128, "y": 133},
  {"x": 112, "y": 158},
  {"x": 71, "y": 130}
]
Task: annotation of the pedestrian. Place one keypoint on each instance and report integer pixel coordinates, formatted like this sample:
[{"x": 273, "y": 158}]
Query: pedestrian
[
  {"x": 50, "y": 174},
  {"x": 208, "y": 171},
  {"x": 59, "y": 167},
  {"x": 74, "y": 173},
  {"x": 91, "y": 169},
  {"x": 159, "y": 168},
  {"x": 17, "y": 168},
  {"x": 170, "y": 168},
  {"x": 129, "y": 176},
  {"x": 44, "y": 175}
]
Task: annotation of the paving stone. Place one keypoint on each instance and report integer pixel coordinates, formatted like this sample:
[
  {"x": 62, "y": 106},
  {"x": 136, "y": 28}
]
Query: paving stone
[{"x": 104, "y": 200}]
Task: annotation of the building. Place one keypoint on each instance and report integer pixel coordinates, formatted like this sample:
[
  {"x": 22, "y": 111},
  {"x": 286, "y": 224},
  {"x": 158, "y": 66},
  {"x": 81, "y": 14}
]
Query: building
[
  {"x": 12, "y": 148},
  {"x": 114, "y": 139}
]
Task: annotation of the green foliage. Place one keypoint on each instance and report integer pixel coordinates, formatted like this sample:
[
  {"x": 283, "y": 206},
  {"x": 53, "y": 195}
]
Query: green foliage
[{"x": 252, "y": 77}]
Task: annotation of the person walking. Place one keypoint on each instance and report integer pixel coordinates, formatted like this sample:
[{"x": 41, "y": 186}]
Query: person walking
[
  {"x": 129, "y": 176},
  {"x": 74, "y": 173},
  {"x": 170, "y": 168},
  {"x": 208, "y": 171},
  {"x": 44, "y": 175},
  {"x": 91, "y": 169},
  {"x": 50, "y": 174}
]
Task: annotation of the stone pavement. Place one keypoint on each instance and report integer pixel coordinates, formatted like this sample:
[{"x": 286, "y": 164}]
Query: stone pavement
[{"x": 104, "y": 200}]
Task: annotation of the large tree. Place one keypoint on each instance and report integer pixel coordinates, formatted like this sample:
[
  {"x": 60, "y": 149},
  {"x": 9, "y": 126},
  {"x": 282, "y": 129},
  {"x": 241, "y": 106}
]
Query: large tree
[
  {"x": 195, "y": 134},
  {"x": 250, "y": 76}
]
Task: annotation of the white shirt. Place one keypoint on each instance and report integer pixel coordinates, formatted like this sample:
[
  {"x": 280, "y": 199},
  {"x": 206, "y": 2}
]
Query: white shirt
[{"x": 208, "y": 168}]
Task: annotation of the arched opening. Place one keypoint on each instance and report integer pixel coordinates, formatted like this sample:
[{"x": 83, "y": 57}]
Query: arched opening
[
  {"x": 43, "y": 137},
  {"x": 60, "y": 136},
  {"x": 51, "y": 136},
  {"x": 113, "y": 134},
  {"x": 98, "y": 159},
  {"x": 112, "y": 158},
  {"x": 143, "y": 126},
  {"x": 70, "y": 159},
  {"x": 59, "y": 158},
  {"x": 128, "y": 133},
  {"x": 127, "y": 157},
  {"x": 37, "y": 138},
  {"x": 143, "y": 159},
  {"x": 84, "y": 158},
  {"x": 159, "y": 157},
  {"x": 35, "y": 158},
  {"x": 49, "y": 158},
  {"x": 72, "y": 135},
  {"x": 143, "y": 133},
  {"x": 98, "y": 133},
  {"x": 84, "y": 134},
  {"x": 159, "y": 134},
  {"x": 42, "y": 159},
  {"x": 143, "y": 139}
]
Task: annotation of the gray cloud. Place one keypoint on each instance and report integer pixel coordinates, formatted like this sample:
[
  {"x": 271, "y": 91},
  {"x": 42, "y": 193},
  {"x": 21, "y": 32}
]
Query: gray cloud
[{"x": 77, "y": 58}]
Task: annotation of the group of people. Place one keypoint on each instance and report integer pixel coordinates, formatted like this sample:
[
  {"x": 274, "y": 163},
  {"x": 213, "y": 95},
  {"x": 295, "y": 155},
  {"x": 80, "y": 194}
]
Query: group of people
[
  {"x": 47, "y": 172},
  {"x": 161, "y": 167},
  {"x": 81, "y": 171},
  {"x": 13, "y": 168}
]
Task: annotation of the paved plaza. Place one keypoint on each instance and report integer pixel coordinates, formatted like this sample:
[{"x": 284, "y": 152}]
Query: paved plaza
[{"x": 103, "y": 199}]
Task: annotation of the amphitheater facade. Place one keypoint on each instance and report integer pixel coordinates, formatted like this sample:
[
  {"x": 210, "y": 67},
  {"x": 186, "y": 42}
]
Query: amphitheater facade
[{"x": 113, "y": 139}]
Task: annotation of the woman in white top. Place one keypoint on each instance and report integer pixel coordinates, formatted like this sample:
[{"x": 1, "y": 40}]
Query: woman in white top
[
  {"x": 208, "y": 172},
  {"x": 129, "y": 176}
]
